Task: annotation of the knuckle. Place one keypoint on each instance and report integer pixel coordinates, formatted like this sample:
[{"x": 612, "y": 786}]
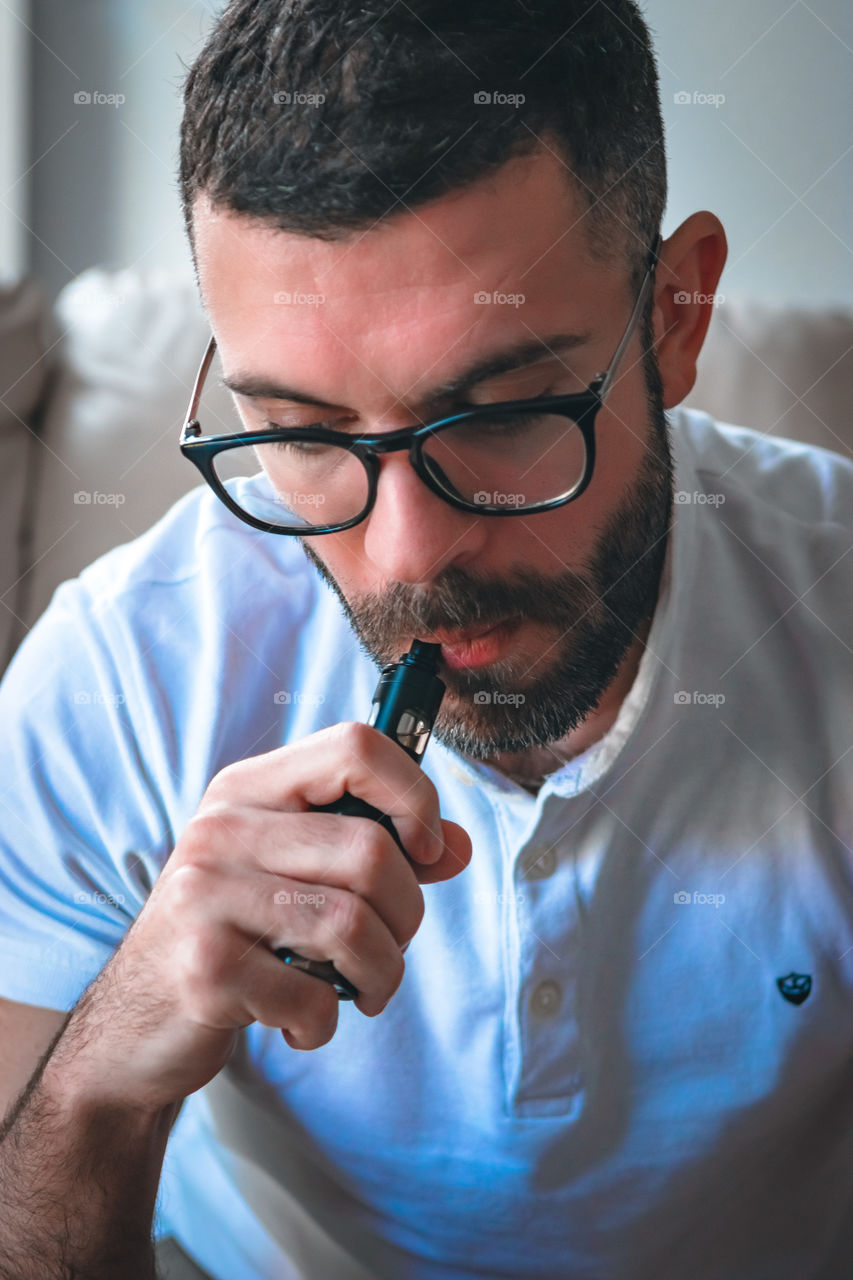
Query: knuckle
[
  {"x": 206, "y": 831},
  {"x": 199, "y": 967},
  {"x": 371, "y": 848},
  {"x": 348, "y": 918},
  {"x": 220, "y": 828},
  {"x": 222, "y": 783},
  {"x": 358, "y": 739},
  {"x": 188, "y": 884}
]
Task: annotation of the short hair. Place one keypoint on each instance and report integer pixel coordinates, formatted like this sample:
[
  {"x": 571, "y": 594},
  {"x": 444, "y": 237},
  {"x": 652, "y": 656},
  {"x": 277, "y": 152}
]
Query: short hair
[{"x": 321, "y": 117}]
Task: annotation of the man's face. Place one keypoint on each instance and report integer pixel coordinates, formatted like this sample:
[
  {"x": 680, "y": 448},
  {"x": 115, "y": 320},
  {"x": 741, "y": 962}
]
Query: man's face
[{"x": 565, "y": 592}]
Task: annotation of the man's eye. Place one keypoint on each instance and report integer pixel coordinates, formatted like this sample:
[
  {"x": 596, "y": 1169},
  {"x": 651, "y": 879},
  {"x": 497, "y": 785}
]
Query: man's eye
[
  {"x": 487, "y": 404},
  {"x": 300, "y": 426}
]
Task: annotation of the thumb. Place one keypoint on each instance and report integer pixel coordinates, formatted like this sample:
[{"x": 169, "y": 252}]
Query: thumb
[{"x": 455, "y": 858}]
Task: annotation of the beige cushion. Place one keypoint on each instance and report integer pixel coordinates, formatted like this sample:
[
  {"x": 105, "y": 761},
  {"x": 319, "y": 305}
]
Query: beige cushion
[
  {"x": 26, "y": 357},
  {"x": 111, "y": 464},
  {"x": 786, "y": 370}
]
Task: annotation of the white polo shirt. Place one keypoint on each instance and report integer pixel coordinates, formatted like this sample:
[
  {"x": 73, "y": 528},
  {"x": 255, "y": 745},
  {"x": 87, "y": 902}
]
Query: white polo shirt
[{"x": 623, "y": 1045}]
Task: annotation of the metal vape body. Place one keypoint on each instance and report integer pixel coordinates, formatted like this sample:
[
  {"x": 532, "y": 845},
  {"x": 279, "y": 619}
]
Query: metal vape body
[{"x": 405, "y": 705}]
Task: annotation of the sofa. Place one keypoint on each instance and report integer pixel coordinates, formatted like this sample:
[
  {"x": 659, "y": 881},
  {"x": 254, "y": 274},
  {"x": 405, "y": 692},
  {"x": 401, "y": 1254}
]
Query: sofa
[{"x": 93, "y": 390}]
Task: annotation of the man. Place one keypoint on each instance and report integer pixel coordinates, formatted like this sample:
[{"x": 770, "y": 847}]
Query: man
[{"x": 609, "y": 987}]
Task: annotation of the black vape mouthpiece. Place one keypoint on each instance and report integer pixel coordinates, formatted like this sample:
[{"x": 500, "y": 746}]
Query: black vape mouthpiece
[{"x": 407, "y": 698}]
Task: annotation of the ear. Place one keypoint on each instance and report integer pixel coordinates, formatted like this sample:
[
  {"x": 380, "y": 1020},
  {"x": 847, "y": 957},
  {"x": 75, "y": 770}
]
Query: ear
[{"x": 690, "y": 266}]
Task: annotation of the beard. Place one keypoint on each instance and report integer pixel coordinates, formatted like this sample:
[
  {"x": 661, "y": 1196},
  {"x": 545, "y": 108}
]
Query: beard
[{"x": 596, "y": 613}]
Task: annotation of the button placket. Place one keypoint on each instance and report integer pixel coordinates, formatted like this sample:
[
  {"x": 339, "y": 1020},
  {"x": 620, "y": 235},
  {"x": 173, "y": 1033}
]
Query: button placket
[{"x": 548, "y": 1078}]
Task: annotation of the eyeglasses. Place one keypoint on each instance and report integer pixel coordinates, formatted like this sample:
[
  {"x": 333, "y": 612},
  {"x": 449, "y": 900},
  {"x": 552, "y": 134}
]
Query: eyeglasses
[{"x": 509, "y": 458}]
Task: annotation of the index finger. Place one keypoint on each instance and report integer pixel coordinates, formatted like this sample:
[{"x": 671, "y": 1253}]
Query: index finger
[{"x": 347, "y": 757}]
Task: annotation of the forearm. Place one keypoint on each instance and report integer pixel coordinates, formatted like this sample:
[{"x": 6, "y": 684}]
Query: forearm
[{"x": 78, "y": 1181}]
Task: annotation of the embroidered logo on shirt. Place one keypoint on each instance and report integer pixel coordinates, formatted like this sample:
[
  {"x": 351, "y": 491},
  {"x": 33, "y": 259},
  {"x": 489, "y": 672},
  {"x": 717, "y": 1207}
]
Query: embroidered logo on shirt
[{"x": 795, "y": 986}]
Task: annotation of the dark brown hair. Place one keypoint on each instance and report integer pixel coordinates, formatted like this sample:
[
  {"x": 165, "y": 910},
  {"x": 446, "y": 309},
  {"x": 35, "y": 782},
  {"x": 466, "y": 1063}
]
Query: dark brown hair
[{"x": 322, "y": 116}]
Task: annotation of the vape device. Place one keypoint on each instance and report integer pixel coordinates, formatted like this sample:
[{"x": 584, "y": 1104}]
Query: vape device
[{"x": 405, "y": 705}]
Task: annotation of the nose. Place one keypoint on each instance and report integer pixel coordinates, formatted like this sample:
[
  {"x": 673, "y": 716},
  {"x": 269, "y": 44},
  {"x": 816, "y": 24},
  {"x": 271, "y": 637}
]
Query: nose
[{"x": 411, "y": 534}]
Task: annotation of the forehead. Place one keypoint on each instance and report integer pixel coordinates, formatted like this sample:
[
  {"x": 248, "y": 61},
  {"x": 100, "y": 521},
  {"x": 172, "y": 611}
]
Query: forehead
[{"x": 407, "y": 295}]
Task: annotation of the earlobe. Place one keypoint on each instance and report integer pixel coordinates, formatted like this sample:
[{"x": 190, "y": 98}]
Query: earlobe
[{"x": 691, "y": 263}]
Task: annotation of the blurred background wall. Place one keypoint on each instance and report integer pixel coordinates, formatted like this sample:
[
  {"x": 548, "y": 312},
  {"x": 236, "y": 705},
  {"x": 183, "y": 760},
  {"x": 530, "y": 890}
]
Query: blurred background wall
[{"x": 757, "y": 96}]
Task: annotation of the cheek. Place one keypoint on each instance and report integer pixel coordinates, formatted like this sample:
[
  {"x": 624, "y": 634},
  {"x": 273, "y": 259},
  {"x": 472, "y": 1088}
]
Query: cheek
[
  {"x": 344, "y": 559},
  {"x": 565, "y": 538},
  {"x": 621, "y": 439}
]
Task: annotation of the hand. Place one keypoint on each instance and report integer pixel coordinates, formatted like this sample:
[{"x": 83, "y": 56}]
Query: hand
[{"x": 255, "y": 870}]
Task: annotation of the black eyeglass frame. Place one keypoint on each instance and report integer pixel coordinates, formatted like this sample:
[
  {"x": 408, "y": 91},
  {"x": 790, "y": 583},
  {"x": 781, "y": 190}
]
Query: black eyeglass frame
[{"x": 581, "y": 407}]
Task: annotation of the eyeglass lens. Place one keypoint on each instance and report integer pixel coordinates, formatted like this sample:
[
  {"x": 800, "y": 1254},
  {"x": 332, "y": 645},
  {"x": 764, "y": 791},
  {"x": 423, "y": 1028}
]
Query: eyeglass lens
[{"x": 497, "y": 462}]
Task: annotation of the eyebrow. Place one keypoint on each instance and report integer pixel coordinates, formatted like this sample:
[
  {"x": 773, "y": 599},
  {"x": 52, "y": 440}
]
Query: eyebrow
[{"x": 518, "y": 356}]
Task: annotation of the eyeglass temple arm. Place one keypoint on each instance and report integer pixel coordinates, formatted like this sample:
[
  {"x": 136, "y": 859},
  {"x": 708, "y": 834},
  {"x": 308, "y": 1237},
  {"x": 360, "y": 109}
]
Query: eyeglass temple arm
[
  {"x": 606, "y": 377},
  {"x": 198, "y": 384}
]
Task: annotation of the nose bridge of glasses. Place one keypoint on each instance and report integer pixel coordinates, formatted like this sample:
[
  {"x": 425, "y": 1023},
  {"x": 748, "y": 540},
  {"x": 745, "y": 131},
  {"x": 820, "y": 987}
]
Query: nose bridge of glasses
[{"x": 395, "y": 441}]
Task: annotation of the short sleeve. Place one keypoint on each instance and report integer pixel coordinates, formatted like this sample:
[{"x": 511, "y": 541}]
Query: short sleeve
[{"x": 81, "y": 830}]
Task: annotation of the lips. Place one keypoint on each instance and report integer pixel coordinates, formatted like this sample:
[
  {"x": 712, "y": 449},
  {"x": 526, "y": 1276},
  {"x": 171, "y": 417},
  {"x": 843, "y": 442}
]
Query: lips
[
  {"x": 469, "y": 633},
  {"x": 475, "y": 647}
]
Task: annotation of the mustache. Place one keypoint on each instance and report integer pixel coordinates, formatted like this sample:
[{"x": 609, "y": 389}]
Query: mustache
[{"x": 460, "y": 600}]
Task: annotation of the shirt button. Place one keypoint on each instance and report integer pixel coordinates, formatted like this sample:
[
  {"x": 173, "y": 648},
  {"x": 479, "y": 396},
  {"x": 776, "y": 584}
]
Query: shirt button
[
  {"x": 546, "y": 999},
  {"x": 539, "y": 863}
]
